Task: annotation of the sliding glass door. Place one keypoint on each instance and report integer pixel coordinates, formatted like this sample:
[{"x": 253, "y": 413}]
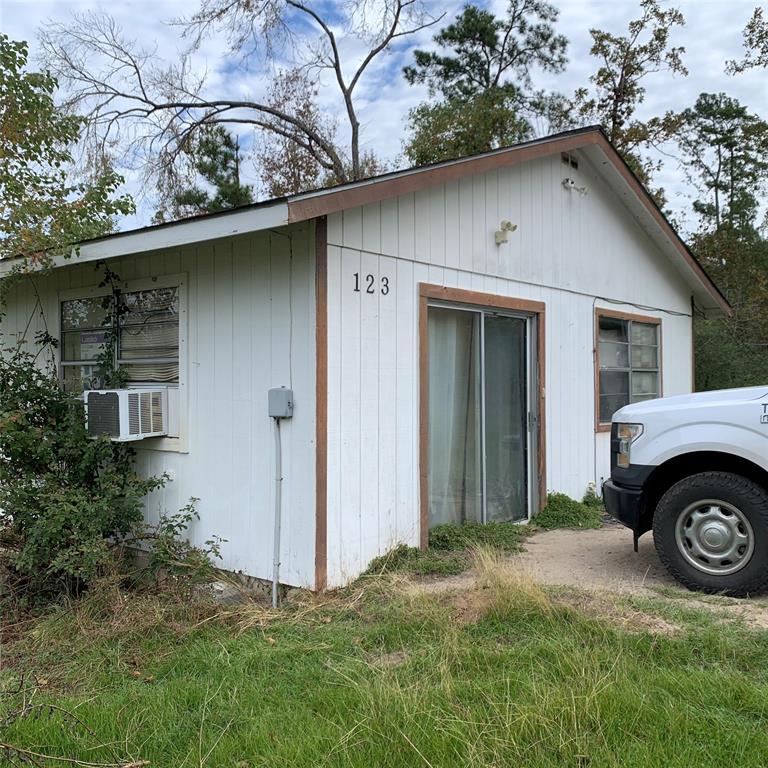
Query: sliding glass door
[{"x": 479, "y": 405}]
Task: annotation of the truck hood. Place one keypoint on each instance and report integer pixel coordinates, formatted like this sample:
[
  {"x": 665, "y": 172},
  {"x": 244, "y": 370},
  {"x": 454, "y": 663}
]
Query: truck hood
[{"x": 716, "y": 398}]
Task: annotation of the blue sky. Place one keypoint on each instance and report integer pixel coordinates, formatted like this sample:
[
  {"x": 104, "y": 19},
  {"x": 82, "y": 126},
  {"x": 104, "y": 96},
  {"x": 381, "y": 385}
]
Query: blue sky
[{"x": 711, "y": 36}]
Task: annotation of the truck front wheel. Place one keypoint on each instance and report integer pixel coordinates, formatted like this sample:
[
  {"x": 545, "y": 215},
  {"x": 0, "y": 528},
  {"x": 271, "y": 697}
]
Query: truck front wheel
[{"x": 711, "y": 532}]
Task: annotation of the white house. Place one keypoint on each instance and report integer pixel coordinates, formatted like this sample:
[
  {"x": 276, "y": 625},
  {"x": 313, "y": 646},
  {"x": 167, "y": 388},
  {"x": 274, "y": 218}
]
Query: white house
[{"x": 456, "y": 338}]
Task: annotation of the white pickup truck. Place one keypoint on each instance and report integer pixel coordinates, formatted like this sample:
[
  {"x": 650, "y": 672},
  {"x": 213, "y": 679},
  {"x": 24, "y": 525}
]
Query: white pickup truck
[{"x": 694, "y": 469}]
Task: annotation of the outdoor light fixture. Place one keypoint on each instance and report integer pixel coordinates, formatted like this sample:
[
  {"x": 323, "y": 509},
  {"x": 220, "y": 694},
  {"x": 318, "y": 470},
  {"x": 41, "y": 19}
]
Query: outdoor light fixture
[
  {"x": 502, "y": 233},
  {"x": 571, "y": 186}
]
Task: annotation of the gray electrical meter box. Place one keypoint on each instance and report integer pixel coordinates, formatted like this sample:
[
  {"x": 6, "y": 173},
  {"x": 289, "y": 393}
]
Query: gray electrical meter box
[{"x": 281, "y": 403}]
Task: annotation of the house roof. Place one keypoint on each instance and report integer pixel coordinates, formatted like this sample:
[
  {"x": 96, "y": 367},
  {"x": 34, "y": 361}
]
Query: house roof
[{"x": 276, "y": 212}]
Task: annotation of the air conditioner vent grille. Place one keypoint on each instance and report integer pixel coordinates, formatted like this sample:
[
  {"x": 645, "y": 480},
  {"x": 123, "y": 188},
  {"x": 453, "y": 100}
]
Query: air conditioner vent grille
[
  {"x": 134, "y": 423},
  {"x": 103, "y": 414},
  {"x": 127, "y": 414}
]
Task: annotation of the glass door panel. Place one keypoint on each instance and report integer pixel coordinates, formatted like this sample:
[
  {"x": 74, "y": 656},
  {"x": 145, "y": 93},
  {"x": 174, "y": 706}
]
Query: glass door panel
[
  {"x": 455, "y": 408},
  {"x": 506, "y": 418}
]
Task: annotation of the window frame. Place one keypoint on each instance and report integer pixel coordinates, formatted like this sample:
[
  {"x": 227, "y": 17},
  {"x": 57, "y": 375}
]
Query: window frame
[
  {"x": 603, "y": 426},
  {"x": 178, "y": 410}
]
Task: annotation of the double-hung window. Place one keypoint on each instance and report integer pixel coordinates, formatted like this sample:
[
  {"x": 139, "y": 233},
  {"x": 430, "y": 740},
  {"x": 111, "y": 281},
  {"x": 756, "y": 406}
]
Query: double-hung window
[
  {"x": 144, "y": 326},
  {"x": 629, "y": 362}
]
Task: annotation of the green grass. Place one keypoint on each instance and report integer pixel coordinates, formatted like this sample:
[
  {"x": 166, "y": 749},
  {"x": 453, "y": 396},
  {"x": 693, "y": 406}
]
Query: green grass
[
  {"x": 564, "y": 512},
  {"x": 502, "y": 536},
  {"x": 419, "y": 562},
  {"x": 383, "y": 676},
  {"x": 450, "y": 549}
]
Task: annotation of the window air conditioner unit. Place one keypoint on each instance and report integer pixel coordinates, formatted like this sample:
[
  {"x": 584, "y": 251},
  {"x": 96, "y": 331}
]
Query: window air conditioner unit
[{"x": 127, "y": 414}]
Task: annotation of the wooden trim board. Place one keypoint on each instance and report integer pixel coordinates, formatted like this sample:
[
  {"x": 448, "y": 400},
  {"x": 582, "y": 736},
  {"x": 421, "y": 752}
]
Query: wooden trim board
[
  {"x": 600, "y": 312},
  {"x": 321, "y": 404},
  {"x": 477, "y": 299},
  {"x": 356, "y": 194}
]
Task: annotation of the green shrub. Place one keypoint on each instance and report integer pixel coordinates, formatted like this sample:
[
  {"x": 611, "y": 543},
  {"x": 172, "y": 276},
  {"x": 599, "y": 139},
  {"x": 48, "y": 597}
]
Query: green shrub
[
  {"x": 564, "y": 512},
  {"x": 170, "y": 556},
  {"x": 420, "y": 562},
  {"x": 504, "y": 536},
  {"x": 592, "y": 500},
  {"x": 65, "y": 498}
]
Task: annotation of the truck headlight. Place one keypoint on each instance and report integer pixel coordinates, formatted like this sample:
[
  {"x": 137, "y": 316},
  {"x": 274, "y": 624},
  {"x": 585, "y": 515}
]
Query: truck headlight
[{"x": 626, "y": 434}]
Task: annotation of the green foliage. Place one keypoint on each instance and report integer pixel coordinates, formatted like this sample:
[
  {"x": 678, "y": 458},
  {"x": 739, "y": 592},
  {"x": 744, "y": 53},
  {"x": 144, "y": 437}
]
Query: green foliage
[
  {"x": 618, "y": 84},
  {"x": 419, "y": 562},
  {"x": 755, "y": 43},
  {"x": 564, "y": 512},
  {"x": 725, "y": 153},
  {"x": 502, "y": 536},
  {"x": 481, "y": 77},
  {"x": 459, "y": 127},
  {"x": 171, "y": 556},
  {"x": 592, "y": 500},
  {"x": 65, "y": 497},
  {"x": 215, "y": 157},
  {"x": 483, "y": 50},
  {"x": 450, "y": 549},
  {"x": 42, "y": 212}
]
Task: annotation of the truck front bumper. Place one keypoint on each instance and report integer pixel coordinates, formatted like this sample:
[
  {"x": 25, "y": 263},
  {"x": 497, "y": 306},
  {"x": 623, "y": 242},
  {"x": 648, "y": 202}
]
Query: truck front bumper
[{"x": 626, "y": 504}]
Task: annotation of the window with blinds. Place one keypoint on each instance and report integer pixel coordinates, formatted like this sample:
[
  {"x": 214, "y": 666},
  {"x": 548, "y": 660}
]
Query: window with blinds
[
  {"x": 629, "y": 364},
  {"x": 146, "y": 324},
  {"x": 148, "y": 338}
]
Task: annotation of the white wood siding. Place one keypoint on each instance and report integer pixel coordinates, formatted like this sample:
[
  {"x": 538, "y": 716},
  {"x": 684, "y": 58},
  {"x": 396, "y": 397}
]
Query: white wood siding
[
  {"x": 568, "y": 250},
  {"x": 250, "y": 326}
]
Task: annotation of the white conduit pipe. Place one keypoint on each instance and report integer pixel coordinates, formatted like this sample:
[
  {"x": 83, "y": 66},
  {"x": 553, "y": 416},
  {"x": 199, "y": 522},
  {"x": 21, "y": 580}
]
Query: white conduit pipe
[{"x": 278, "y": 504}]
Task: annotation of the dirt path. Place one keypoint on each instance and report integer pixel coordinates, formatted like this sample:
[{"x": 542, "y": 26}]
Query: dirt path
[
  {"x": 594, "y": 559},
  {"x": 602, "y": 563}
]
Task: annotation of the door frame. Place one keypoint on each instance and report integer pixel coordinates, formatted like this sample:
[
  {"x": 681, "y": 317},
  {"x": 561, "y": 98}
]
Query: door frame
[{"x": 487, "y": 301}]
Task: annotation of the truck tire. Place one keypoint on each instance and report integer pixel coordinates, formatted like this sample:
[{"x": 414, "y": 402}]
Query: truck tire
[{"x": 711, "y": 532}]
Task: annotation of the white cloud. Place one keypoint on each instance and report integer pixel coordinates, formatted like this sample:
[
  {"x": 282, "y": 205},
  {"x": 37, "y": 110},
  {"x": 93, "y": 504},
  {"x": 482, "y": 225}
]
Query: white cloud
[{"x": 712, "y": 35}]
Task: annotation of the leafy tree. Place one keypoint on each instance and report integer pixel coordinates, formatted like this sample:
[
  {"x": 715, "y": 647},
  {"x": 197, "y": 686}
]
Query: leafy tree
[
  {"x": 725, "y": 153},
  {"x": 42, "y": 211},
  {"x": 455, "y": 127},
  {"x": 618, "y": 85},
  {"x": 756, "y": 44},
  {"x": 215, "y": 156},
  {"x": 482, "y": 76},
  {"x": 733, "y": 351}
]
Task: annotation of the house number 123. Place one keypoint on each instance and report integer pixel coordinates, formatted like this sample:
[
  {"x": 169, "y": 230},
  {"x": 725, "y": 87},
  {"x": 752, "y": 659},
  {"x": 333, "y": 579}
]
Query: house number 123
[{"x": 369, "y": 282}]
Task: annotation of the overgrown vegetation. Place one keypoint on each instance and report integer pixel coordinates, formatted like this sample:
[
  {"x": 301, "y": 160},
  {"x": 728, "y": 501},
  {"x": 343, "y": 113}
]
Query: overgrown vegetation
[
  {"x": 64, "y": 496},
  {"x": 562, "y": 511},
  {"x": 504, "y": 673},
  {"x": 451, "y": 549},
  {"x": 419, "y": 562},
  {"x": 67, "y": 500}
]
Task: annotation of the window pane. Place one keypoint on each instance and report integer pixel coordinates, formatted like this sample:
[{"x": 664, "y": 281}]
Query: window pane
[
  {"x": 455, "y": 439},
  {"x": 640, "y": 398},
  {"x": 645, "y": 383},
  {"x": 151, "y": 306},
  {"x": 151, "y": 373},
  {"x": 613, "y": 329},
  {"x": 613, "y": 355},
  {"x": 76, "y": 378},
  {"x": 644, "y": 333},
  {"x": 150, "y": 340},
  {"x": 84, "y": 313},
  {"x": 644, "y": 357},
  {"x": 614, "y": 383},
  {"x": 609, "y": 404},
  {"x": 82, "y": 345}
]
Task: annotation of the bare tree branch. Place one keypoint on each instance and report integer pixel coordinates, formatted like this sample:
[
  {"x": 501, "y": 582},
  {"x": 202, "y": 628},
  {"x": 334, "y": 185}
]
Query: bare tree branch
[{"x": 146, "y": 111}]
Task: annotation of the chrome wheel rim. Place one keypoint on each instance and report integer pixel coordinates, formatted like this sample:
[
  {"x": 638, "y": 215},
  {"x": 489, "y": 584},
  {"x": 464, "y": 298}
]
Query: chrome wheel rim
[{"x": 714, "y": 537}]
